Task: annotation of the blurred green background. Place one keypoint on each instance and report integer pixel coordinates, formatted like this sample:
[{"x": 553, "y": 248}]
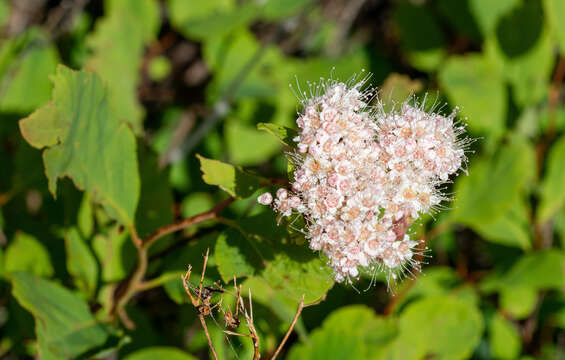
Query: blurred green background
[{"x": 196, "y": 77}]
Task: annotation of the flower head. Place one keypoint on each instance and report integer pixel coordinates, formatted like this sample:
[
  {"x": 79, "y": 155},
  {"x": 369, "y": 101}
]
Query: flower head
[{"x": 363, "y": 176}]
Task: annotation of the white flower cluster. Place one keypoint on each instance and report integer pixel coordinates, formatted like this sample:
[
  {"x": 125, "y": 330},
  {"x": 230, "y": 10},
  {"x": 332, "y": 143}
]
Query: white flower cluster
[{"x": 364, "y": 175}]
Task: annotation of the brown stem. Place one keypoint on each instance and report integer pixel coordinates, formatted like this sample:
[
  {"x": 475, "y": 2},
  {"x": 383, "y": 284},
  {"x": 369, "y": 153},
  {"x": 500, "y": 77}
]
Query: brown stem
[
  {"x": 210, "y": 344},
  {"x": 133, "y": 285},
  {"x": 179, "y": 225},
  {"x": 289, "y": 331}
]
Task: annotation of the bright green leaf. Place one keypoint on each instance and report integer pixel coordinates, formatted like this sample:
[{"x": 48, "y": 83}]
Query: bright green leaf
[
  {"x": 283, "y": 134},
  {"x": 487, "y": 13},
  {"x": 505, "y": 342},
  {"x": 160, "y": 352},
  {"x": 554, "y": 12},
  {"x": 552, "y": 194},
  {"x": 232, "y": 179},
  {"x": 87, "y": 143},
  {"x": 475, "y": 84},
  {"x": 247, "y": 146},
  {"x": 118, "y": 43},
  {"x": 26, "y": 253},
  {"x": 518, "y": 301},
  {"x": 26, "y": 62},
  {"x": 352, "y": 332},
  {"x": 457, "y": 328},
  {"x": 85, "y": 217}
]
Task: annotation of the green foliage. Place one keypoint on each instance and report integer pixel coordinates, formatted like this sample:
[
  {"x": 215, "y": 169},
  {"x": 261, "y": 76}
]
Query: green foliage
[
  {"x": 64, "y": 325},
  {"x": 118, "y": 175},
  {"x": 86, "y": 142}
]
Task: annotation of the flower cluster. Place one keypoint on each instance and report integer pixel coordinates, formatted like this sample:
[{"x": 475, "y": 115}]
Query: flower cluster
[{"x": 364, "y": 175}]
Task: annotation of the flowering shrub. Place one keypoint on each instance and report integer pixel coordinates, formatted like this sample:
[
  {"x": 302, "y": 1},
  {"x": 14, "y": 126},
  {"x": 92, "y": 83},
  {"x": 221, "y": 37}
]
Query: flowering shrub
[
  {"x": 163, "y": 194},
  {"x": 364, "y": 175}
]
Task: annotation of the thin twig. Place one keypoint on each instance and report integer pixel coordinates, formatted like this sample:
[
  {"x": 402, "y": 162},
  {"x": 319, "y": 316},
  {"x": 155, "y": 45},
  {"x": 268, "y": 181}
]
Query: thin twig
[
  {"x": 210, "y": 344},
  {"x": 289, "y": 331}
]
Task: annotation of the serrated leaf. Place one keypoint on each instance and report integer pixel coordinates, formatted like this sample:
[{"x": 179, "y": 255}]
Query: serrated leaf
[
  {"x": 26, "y": 253},
  {"x": 554, "y": 12},
  {"x": 504, "y": 339},
  {"x": 352, "y": 332},
  {"x": 81, "y": 263},
  {"x": 457, "y": 325},
  {"x": 282, "y": 133},
  {"x": 160, "y": 352},
  {"x": 476, "y": 85},
  {"x": 117, "y": 44},
  {"x": 65, "y": 327},
  {"x": 232, "y": 179},
  {"x": 552, "y": 194},
  {"x": 86, "y": 142}
]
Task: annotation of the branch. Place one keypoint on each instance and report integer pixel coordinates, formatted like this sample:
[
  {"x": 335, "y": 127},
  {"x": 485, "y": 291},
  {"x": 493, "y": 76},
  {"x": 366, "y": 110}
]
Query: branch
[
  {"x": 289, "y": 331},
  {"x": 134, "y": 284}
]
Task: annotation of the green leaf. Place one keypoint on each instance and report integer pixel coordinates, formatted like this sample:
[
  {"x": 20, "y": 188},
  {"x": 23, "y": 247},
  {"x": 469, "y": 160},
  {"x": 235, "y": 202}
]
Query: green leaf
[
  {"x": 487, "y": 13},
  {"x": 25, "y": 253},
  {"x": 26, "y": 61},
  {"x": 554, "y": 12},
  {"x": 204, "y": 20},
  {"x": 160, "y": 352},
  {"x": 118, "y": 44},
  {"x": 232, "y": 179},
  {"x": 81, "y": 263},
  {"x": 115, "y": 252},
  {"x": 246, "y": 145},
  {"x": 293, "y": 270},
  {"x": 233, "y": 259},
  {"x": 490, "y": 198},
  {"x": 85, "y": 217},
  {"x": 518, "y": 301},
  {"x": 420, "y": 35},
  {"x": 552, "y": 193},
  {"x": 505, "y": 342},
  {"x": 352, "y": 332},
  {"x": 457, "y": 329},
  {"x": 476, "y": 85},
  {"x": 540, "y": 270},
  {"x": 87, "y": 143},
  {"x": 159, "y": 68},
  {"x": 155, "y": 207},
  {"x": 397, "y": 88},
  {"x": 65, "y": 327},
  {"x": 283, "y": 134}
]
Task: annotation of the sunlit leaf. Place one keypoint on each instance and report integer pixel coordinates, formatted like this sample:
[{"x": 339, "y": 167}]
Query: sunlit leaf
[
  {"x": 232, "y": 179},
  {"x": 476, "y": 86},
  {"x": 552, "y": 192},
  {"x": 87, "y": 143},
  {"x": 505, "y": 342},
  {"x": 352, "y": 332},
  {"x": 26, "y": 253},
  {"x": 159, "y": 352}
]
